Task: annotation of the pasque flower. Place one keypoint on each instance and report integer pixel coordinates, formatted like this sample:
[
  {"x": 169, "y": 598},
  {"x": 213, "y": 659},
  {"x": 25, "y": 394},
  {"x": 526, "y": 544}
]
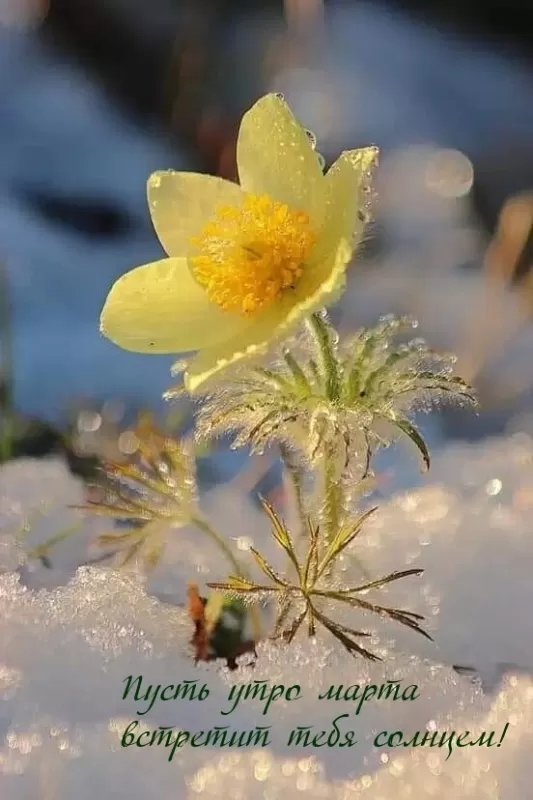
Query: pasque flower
[{"x": 245, "y": 262}]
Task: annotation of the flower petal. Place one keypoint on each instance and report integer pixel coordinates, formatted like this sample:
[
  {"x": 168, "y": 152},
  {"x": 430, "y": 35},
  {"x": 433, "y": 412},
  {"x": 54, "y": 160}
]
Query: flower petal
[
  {"x": 346, "y": 187},
  {"x": 275, "y": 157},
  {"x": 320, "y": 285},
  {"x": 181, "y": 203},
  {"x": 159, "y": 308}
]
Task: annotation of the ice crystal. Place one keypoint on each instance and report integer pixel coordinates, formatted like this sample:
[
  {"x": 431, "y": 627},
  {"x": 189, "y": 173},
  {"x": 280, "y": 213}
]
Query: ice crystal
[{"x": 64, "y": 655}]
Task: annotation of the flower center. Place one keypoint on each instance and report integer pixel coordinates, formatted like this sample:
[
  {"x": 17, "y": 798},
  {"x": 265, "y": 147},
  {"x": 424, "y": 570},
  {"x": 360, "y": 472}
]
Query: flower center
[{"x": 250, "y": 254}]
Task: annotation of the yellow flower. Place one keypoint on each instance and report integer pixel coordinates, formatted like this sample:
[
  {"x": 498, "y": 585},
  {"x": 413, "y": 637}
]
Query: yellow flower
[{"x": 246, "y": 262}]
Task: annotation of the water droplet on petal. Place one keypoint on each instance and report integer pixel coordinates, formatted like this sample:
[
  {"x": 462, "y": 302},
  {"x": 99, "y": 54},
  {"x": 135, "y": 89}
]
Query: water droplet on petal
[{"x": 312, "y": 138}]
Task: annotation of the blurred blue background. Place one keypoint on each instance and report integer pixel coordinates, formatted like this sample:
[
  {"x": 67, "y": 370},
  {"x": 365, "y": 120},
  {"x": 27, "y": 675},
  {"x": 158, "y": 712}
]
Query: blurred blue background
[{"x": 96, "y": 94}]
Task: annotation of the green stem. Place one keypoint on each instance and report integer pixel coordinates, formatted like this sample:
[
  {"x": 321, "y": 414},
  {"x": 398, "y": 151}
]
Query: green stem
[
  {"x": 332, "y": 498},
  {"x": 293, "y": 480},
  {"x": 206, "y": 527},
  {"x": 6, "y": 372},
  {"x": 332, "y": 493},
  {"x": 333, "y": 509},
  {"x": 42, "y": 550}
]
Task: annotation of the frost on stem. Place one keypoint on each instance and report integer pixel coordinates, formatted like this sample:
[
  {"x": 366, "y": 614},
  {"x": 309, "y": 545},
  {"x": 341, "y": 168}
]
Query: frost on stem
[
  {"x": 322, "y": 397},
  {"x": 306, "y": 600}
]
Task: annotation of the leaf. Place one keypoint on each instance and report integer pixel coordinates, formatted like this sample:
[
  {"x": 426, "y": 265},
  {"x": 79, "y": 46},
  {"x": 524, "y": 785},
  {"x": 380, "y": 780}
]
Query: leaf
[
  {"x": 299, "y": 377},
  {"x": 266, "y": 568},
  {"x": 281, "y": 534},
  {"x": 340, "y": 633},
  {"x": 384, "y": 370},
  {"x": 273, "y": 380},
  {"x": 283, "y": 417},
  {"x": 325, "y": 354},
  {"x": 241, "y": 586},
  {"x": 431, "y": 381},
  {"x": 310, "y": 571},
  {"x": 409, "y": 430},
  {"x": 344, "y": 536},
  {"x": 153, "y": 556},
  {"x": 354, "y": 369},
  {"x": 283, "y": 612},
  {"x": 112, "y": 510},
  {"x": 407, "y": 618},
  {"x": 41, "y": 550},
  {"x": 131, "y": 553},
  {"x": 393, "y": 576},
  {"x": 134, "y": 473},
  {"x": 115, "y": 539},
  {"x": 257, "y": 428},
  {"x": 213, "y": 609},
  {"x": 289, "y": 634}
]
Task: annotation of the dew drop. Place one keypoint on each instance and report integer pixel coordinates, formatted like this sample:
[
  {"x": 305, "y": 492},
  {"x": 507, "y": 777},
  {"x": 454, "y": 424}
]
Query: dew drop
[{"x": 312, "y": 138}]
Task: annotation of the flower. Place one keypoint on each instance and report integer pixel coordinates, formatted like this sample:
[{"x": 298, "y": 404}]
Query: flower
[{"x": 245, "y": 262}]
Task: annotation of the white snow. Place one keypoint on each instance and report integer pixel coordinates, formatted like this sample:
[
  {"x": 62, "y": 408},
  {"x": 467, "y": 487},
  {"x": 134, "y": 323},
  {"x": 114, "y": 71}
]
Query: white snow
[{"x": 66, "y": 650}]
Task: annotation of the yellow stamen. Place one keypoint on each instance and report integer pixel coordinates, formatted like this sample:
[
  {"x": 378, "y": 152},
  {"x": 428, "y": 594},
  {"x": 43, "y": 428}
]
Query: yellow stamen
[{"x": 250, "y": 254}]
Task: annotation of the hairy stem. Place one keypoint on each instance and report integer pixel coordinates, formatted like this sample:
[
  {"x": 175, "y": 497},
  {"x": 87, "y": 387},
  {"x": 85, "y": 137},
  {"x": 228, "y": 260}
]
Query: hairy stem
[
  {"x": 293, "y": 482},
  {"x": 42, "y": 550},
  {"x": 332, "y": 495},
  {"x": 219, "y": 540}
]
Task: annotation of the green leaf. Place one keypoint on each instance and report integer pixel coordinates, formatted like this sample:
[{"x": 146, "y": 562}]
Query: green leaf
[
  {"x": 266, "y": 568},
  {"x": 393, "y": 576},
  {"x": 257, "y": 428},
  {"x": 281, "y": 534},
  {"x": 298, "y": 375},
  {"x": 354, "y": 368},
  {"x": 285, "y": 604},
  {"x": 310, "y": 571},
  {"x": 213, "y": 609},
  {"x": 117, "y": 539},
  {"x": 291, "y": 632},
  {"x": 115, "y": 511},
  {"x": 383, "y": 372},
  {"x": 407, "y": 618},
  {"x": 153, "y": 556},
  {"x": 344, "y": 536},
  {"x": 131, "y": 553},
  {"x": 273, "y": 380},
  {"x": 326, "y": 356},
  {"x": 240, "y": 586},
  {"x": 42, "y": 549},
  {"x": 411, "y": 432},
  {"x": 342, "y": 633},
  {"x": 282, "y": 417}
]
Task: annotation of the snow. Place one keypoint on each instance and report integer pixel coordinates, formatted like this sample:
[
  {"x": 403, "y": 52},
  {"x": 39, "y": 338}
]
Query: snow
[{"x": 66, "y": 649}]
